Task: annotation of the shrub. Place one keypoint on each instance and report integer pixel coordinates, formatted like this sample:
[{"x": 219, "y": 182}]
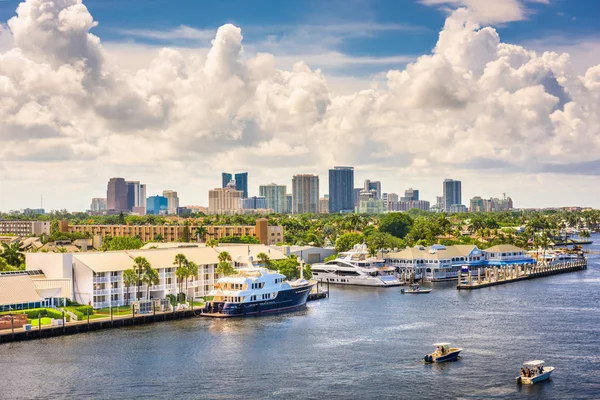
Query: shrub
[{"x": 84, "y": 310}]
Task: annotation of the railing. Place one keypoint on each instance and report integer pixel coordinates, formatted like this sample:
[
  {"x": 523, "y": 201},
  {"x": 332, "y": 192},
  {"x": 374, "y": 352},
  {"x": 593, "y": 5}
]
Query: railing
[
  {"x": 115, "y": 279},
  {"x": 100, "y": 279},
  {"x": 100, "y": 292},
  {"x": 116, "y": 289},
  {"x": 102, "y": 304}
]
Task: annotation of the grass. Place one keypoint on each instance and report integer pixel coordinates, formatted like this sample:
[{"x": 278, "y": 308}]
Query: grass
[{"x": 45, "y": 321}]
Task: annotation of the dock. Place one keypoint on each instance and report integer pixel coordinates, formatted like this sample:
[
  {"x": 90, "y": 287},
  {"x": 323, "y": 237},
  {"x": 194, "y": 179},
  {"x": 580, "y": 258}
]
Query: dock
[{"x": 515, "y": 273}]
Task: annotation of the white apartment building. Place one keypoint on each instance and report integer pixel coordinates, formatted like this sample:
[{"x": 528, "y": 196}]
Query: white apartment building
[
  {"x": 24, "y": 228},
  {"x": 97, "y": 277}
]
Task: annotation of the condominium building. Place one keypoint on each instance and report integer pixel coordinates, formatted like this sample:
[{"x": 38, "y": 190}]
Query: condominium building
[
  {"x": 305, "y": 194},
  {"x": 116, "y": 194},
  {"x": 373, "y": 185},
  {"x": 458, "y": 208},
  {"x": 24, "y": 228},
  {"x": 275, "y": 196},
  {"x": 371, "y": 206},
  {"x": 254, "y": 203},
  {"x": 225, "y": 200},
  {"x": 389, "y": 198},
  {"x": 97, "y": 278},
  {"x": 265, "y": 233},
  {"x": 241, "y": 181},
  {"x": 405, "y": 205},
  {"x": 172, "y": 200},
  {"x": 324, "y": 205},
  {"x": 98, "y": 204},
  {"x": 341, "y": 185},
  {"x": 289, "y": 202},
  {"x": 476, "y": 204},
  {"x": 411, "y": 194},
  {"x": 452, "y": 193}
]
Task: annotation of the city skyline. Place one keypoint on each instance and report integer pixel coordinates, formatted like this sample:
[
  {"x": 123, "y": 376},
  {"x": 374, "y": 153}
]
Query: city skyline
[{"x": 382, "y": 87}]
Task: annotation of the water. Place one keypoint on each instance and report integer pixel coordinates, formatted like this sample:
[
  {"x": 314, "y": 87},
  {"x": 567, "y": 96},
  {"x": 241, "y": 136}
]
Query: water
[{"x": 360, "y": 343}]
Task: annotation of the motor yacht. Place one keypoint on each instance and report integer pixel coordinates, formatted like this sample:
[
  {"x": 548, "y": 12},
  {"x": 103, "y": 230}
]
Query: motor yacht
[{"x": 356, "y": 267}]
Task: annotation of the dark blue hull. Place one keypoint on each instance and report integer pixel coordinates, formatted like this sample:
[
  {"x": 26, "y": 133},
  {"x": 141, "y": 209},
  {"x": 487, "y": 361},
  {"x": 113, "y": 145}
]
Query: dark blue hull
[{"x": 286, "y": 300}]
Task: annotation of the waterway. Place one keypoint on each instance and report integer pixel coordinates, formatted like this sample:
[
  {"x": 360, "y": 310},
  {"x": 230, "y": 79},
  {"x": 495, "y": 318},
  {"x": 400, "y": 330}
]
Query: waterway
[{"x": 358, "y": 344}]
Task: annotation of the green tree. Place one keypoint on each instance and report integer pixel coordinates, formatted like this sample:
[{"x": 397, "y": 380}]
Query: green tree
[
  {"x": 380, "y": 240},
  {"x": 4, "y": 266},
  {"x": 158, "y": 238},
  {"x": 225, "y": 266},
  {"x": 121, "y": 243},
  {"x": 191, "y": 269},
  {"x": 264, "y": 259},
  {"x": 212, "y": 243},
  {"x": 240, "y": 239},
  {"x": 181, "y": 273},
  {"x": 150, "y": 278},
  {"x": 290, "y": 268},
  {"x": 346, "y": 241},
  {"x": 130, "y": 278},
  {"x": 396, "y": 224},
  {"x": 201, "y": 233},
  {"x": 140, "y": 265},
  {"x": 12, "y": 254}
]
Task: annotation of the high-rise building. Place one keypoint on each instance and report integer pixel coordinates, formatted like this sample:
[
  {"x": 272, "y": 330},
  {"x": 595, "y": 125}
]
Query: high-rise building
[
  {"x": 289, "y": 202},
  {"x": 133, "y": 194},
  {"x": 305, "y": 194},
  {"x": 275, "y": 196},
  {"x": 373, "y": 185},
  {"x": 356, "y": 196},
  {"x": 116, "y": 194},
  {"x": 324, "y": 205},
  {"x": 241, "y": 181},
  {"x": 405, "y": 205},
  {"x": 411, "y": 194},
  {"x": 157, "y": 205},
  {"x": 341, "y": 184},
  {"x": 171, "y": 196},
  {"x": 452, "y": 193},
  {"x": 225, "y": 200},
  {"x": 476, "y": 204},
  {"x": 389, "y": 198},
  {"x": 254, "y": 203},
  {"x": 98, "y": 204}
]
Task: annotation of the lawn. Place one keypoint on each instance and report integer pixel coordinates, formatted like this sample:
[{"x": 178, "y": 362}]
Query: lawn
[{"x": 45, "y": 321}]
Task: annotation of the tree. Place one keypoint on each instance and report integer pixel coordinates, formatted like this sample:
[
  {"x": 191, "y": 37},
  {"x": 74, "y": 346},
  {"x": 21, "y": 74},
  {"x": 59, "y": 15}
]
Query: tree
[
  {"x": 191, "y": 269},
  {"x": 289, "y": 268},
  {"x": 240, "y": 239},
  {"x": 130, "y": 278},
  {"x": 396, "y": 224},
  {"x": 181, "y": 261},
  {"x": 201, "y": 233},
  {"x": 158, "y": 238},
  {"x": 4, "y": 266},
  {"x": 212, "y": 243},
  {"x": 225, "y": 256},
  {"x": 379, "y": 241},
  {"x": 121, "y": 243},
  {"x": 224, "y": 267},
  {"x": 12, "y": 254},
  {"x": 346, "y": 241},
  {"x": 150, "y": 278},
  {"x": 264, "y": 259},
  {"x": 141, "y": 263}
]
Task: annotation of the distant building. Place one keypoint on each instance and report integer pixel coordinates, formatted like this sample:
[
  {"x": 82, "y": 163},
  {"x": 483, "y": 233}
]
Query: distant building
[
  {"x": 241, "y": 181},
  {"x": 254, "y": 203},
  {"x": 305, "y": 194},
  {"x": 157, "y": 205},
  {"x": 33, "y": 211},
  {"x": 324, "y": 205},
  {"x": 439, "y": 202},
  {"x": 98, "y": 204},
  {"x": 275, "y": 196},
  {"x": 490, "y": 205},
  {"x": 458, "y": 208},
  {"x": 389, "y": 198},
  {"x": 289, "y": 202},
  {"x": 411, "y": 194},
  {"x": 356, "y": 196},
  {"x": 173, "y": 200},
  {"x": 198, "y": 209},
  {"x": 116, "y": 194},
  {"x": 476, "y": 204},
  {"x": 371, "y": 206},
  {"x": 373, "y": 185},
  {"x": 405, "y": 205},
  {"x": 225, "y": 200},
  {"x": 341, "y": 185},
  {"x": 24, "y": 228},
  {"x": 452, "y": 193}
]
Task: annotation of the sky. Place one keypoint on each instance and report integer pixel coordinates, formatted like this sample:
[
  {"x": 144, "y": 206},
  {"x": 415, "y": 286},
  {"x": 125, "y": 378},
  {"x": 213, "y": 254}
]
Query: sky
[{"x": 502, "y": 95}]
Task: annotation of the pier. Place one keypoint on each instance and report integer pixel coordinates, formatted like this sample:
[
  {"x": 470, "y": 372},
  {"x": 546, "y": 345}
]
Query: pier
[{"x": 515, "y": 273}]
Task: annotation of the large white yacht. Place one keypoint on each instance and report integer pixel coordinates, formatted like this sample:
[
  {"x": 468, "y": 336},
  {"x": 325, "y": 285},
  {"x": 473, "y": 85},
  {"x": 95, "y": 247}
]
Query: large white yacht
[
  {"x": 355, "y": 267},
  {"x": 256, "y": 291}
]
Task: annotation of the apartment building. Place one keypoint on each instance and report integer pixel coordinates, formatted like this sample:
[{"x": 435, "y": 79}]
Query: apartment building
[{"x": 24, "y": 228}]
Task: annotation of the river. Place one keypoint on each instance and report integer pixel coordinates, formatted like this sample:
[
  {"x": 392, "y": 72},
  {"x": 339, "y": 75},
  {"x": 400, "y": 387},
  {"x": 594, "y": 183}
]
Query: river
[{"x": 361, "y": 343}]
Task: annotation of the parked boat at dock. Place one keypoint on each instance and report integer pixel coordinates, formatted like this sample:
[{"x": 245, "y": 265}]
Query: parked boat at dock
[
  {"x": 356, "y": 267},
  {"x": 533, "y": 372},
  {"x": 415, "y": 289},
  {"x": 442, "y": 353}
]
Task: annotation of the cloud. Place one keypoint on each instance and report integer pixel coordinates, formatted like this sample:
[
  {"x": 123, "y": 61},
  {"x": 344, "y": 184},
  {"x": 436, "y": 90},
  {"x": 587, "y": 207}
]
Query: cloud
[
  {"x": 490, "y": 11},
  {"x": 474, "y": 103},
  {"x": 182, "y": 32}
]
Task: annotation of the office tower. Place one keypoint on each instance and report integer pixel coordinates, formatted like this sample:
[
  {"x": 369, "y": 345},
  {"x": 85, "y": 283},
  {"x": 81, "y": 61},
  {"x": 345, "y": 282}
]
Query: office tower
[
  {"x": 411, "y": 194},
  {"x": 157, "y": 205},
  {"x": 389, "y": 198},
  {"x": 341, "y": 185},
  {"x": 254, "y": 203},
  {"x": 141, "y": 200},
  {"x": 98, "y": 204},
  {"x": 133, "y": 194},
  {"x": 477, "y": 204},
  {"x": 173, "y": 200},
  {"x": 289, "y": 202},
  {"x": 452, "y": 193},
  {"x": 225, "y": 200},
  {"x": 305, "y": 194},
  {"x": 241, "y": 181},
  {"x": 275, "y": 196},
  {"x": 373, "y": 185},
  {"x": 116, "y": 194},
  {"x": 356, "y": 196}
]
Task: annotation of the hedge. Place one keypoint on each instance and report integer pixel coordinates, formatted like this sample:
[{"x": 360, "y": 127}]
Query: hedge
[
  {"x": 42, "y": 312},
  {"x": 52, "y": 313}
]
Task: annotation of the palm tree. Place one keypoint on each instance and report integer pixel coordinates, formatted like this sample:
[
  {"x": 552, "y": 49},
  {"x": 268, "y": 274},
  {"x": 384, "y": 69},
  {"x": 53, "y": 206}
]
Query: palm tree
[
  {"x": 225, "y": 266},
  {"x": 130, "y": 277},
  {"x": 212, "y": 243},
  {"x": 12, "y": 253},
  {"x": 150, "y": 278},
  {"x": 201, "y": 233},
  {"x": 181, "y": 261},
  {"x": 191, "y": 269},
  {"x": 264, "y": 259},
  {"x": 225, "y": 256},
  {"x": 140, "y": 266}
]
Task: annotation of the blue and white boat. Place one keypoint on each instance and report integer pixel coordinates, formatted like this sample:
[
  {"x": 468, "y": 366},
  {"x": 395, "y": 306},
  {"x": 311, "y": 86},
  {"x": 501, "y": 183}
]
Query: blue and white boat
[
  {"x": 256, "y": 291},
  {"x": 533, "y": 372},
  {"x": 442, "y": 353}
]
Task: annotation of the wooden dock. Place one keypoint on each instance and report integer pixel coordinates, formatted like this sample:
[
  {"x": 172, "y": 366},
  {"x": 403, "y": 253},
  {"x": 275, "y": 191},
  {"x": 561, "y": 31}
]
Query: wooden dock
[{"x": 515, "y": 273}]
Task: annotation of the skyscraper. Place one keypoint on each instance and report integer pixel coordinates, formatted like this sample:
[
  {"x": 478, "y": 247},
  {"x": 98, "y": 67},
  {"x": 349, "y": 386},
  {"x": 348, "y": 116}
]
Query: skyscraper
[
  {"x": 452, "y": 193},
  {"x": 411, "y": 194},
  {"x": 275, "y": 195},
  {"x": 341, "y": 184},
  {"x": 373, "y": 185},
  {"x": 305, "y": 194},
  {"x": 116, "y": 194},
  {"x": 172, "y": 199},
  {"x": 157, "y": 205},
  {"x": 98, "y": 204},
  {"x": 241, "y": 181},
  {"x": 133, "y": 194},
  {"x": 289, "y": 203},
  {"x": 225, "y": 200}
]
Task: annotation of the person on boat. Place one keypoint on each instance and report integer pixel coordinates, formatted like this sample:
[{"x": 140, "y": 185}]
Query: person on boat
[
  {"x": 442, "y": 350},
  {"x": 522, "y": 372},
  {"x": 528, "y": 372}
]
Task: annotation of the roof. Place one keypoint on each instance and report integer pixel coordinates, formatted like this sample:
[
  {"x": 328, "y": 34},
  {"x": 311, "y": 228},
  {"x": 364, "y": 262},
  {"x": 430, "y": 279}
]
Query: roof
[
  {"x": 461, "y": 250},
  {"x": 170, "y": 245},
  {"x": 504, "y": 248},
  {"x": 441, "y": 344},
  {"x": 241, "y": 253},
  {"x": 533, "y": 363},
  {"x": 16, "y": 289}
]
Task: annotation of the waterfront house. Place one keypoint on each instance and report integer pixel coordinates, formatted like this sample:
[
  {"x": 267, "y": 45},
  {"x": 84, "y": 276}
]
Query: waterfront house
[{"x": 507, "y": 254}]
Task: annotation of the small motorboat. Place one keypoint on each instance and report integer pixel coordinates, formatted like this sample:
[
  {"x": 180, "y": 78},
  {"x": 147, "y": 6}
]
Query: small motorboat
[
  {"x": 415, "y": 289},
  {"x": 442, "y": 353},
  {"x": 533, "y": 372}
]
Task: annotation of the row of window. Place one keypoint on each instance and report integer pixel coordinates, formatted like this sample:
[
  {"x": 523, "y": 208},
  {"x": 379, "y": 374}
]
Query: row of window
[{"x": 258, "y": 285}]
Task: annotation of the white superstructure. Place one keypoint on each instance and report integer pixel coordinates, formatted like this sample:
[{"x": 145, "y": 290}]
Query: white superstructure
[{"x": 355, "y": 267}]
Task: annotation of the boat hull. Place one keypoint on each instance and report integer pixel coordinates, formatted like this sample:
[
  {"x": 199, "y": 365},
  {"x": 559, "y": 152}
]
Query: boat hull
[
  {"x": 358, "y": 281},
  {"x": 451, "y": 356},
  {"x": 286, "y": 300},
  {"x": 535, "y": 379},
  {"x": 421, "y": 291}
]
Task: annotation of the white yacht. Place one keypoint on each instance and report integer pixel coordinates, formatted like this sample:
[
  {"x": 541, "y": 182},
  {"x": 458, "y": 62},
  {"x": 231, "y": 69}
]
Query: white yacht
[
  {"x": 355, "y": 267},
  {"x": 256, "y": 291}
]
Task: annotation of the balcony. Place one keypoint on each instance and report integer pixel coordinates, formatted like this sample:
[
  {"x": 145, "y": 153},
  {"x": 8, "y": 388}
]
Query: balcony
[
  {"x": 115, "y": 278},
  {"x": 100, "y": 292},
  {"x": 101, "y": 304},
  {"x": 100, "y": 279},
  {"x": 116, "y": 290}
]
